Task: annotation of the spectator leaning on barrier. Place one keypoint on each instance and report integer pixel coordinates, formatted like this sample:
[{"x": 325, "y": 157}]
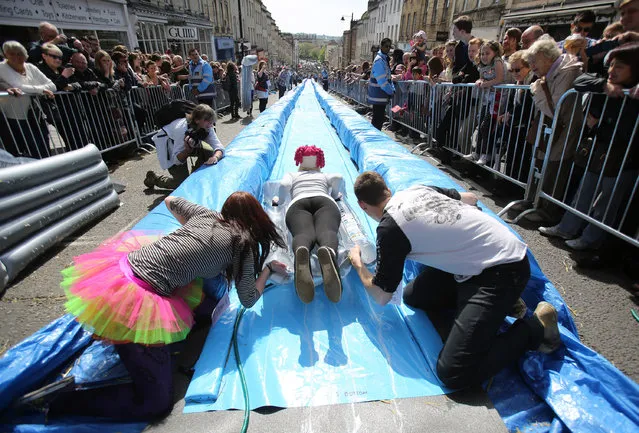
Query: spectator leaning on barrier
[
  {"x": 530, "y": 35},
  {"x": 51, "y": 67},
  {"x": 179, "y": 72},
  {"x": 515, "y": 121},
  {"x": 26, "y": 133},
  {"x": 182, "y": 138},
  {"x": 380, "y": 86},
  {"x": 83, "y": 78},
  {"x": 49, "y": 34},
  {"x": 201, "y": 79},
  {"x": 557, "y": 73},
  {"x": 609, "y": 158}
]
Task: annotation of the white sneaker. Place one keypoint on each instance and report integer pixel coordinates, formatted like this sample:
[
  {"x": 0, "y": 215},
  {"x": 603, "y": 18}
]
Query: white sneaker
[
  {"x": 554, "y": 232},
  {"x": 482, "y": 160},
  {"x": 471, "y": 156}
]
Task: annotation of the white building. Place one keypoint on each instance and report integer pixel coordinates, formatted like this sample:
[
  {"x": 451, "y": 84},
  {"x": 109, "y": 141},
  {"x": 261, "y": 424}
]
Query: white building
[{"x": 391, "y": 16}]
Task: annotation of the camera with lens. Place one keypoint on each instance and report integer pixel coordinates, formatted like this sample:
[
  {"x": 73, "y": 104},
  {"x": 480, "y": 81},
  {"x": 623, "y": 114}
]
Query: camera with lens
[{"x": 197, "y": 135}]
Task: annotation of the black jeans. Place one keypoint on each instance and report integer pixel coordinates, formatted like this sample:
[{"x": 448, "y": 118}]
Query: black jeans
[
  {"x": 379, "y": 113},
  {"x": 314, "y": 220},
  {"x": 473, "y": 350},
  {"x": 234, "y": 100},
  {"x": 263, "y": 103},
  {"x": 282, "y": 90}
]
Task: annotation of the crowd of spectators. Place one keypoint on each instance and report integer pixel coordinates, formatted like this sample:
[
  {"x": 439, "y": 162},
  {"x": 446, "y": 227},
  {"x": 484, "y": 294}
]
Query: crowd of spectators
[
  {"x": 593, "y": 159},
  {"x": 57, "y": 63}
]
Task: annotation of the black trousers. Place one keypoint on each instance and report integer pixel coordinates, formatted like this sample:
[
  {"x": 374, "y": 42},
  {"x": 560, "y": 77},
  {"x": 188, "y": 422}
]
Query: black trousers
[
  {"x": 263, "y": 103},
  {"x": 473, "y": 350},
  {"x": 314, "y": 220},
  {"x": 325, "y": 85},
  {"x": 379, "y": 113},
  {"x": 234, "y": 100},
  {"x": 282, "y": 90}
]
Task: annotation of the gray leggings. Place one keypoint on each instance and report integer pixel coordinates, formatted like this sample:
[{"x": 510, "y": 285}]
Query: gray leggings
[{"x": 314, "y": 220}]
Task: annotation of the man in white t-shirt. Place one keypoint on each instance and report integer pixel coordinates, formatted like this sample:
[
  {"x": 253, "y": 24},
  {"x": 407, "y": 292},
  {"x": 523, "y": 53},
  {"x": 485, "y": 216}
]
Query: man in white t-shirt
[{"x": 476, "y": 266}]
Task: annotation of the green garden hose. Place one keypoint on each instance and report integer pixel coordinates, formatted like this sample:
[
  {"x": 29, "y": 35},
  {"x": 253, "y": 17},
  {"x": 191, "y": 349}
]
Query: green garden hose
[
  {"x": 240, "y": 369},
  {"x": 634, "y": 314}
]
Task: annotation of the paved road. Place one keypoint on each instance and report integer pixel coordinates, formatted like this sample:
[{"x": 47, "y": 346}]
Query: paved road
[{"x": 599, "y": 300}]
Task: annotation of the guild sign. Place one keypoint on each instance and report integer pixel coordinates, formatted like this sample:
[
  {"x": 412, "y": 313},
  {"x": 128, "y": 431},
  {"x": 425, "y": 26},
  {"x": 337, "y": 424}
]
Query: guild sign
[{"x": 188, "y": 33}]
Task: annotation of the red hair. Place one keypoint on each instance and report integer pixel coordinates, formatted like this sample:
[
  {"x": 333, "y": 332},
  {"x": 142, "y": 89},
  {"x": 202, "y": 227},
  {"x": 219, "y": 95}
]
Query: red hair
[
  {"x": 303, "y": 151},
  {"x": 253, "y": 228}
]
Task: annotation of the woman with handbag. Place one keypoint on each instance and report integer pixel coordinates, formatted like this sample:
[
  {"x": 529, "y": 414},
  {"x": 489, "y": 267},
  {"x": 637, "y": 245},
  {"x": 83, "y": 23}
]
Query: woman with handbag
[{"x": 609, "y": 158}]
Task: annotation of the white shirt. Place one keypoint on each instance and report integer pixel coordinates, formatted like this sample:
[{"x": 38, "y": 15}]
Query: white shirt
[
  {"x": 310, "y": 183},
  {"x": 447, "y": 234},
  {"x": 33, "y": 82},
  {"x": 170, "y": 145}
]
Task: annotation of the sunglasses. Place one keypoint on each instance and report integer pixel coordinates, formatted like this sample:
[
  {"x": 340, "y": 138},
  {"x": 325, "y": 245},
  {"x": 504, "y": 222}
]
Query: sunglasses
[
  {"x": 515, "y": 70},
  {"x": 53, "y": 56},
  {"x": 580, "y": 29}
]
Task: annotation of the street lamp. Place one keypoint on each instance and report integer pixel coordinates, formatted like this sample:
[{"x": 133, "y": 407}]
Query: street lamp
[{"x": 350, "y": 46}]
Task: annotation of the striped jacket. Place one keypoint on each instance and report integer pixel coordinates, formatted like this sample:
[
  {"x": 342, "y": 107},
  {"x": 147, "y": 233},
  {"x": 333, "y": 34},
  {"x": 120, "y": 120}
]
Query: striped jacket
[{"x": 380, "y": 86}]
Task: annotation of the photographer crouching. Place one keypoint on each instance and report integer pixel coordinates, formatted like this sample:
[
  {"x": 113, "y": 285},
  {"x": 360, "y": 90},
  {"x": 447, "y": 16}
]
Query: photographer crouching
[{"x": 192, "y": 135}]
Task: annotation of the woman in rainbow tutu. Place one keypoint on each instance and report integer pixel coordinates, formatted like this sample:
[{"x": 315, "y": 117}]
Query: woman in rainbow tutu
[{"x": 139, "y": 292}]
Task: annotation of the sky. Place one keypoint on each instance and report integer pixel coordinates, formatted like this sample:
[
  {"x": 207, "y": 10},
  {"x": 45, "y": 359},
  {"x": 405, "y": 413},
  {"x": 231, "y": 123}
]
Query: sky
[{"x": 315, "y": 16}]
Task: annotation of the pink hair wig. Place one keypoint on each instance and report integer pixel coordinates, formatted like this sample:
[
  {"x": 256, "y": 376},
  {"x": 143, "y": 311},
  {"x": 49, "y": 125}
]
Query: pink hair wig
[{"x": 303, "y": 151}]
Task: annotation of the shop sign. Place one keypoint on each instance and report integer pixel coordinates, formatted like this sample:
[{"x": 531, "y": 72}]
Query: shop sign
[
  {"x": 65, "y": 11},
  {"x": 188, "y": 33},
  {"x": 224, "y": 43}
]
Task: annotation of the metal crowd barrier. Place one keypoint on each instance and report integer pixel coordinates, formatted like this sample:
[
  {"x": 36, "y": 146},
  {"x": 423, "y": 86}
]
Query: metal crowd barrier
[
  {"x": 221, "y": 101},
  {"x": 414, "y": 101},
  {"x": 39, "y": 127},
  {"x": 490, "y": 128},
  {"x": 591, "y": 166}
]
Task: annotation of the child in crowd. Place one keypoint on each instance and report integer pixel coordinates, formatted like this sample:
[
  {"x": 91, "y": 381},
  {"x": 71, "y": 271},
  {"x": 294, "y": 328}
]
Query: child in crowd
[
  {"x": 417, "y": 73},
  {"x": 419, "y": 45},
  {"x": 491, "y": 73}
]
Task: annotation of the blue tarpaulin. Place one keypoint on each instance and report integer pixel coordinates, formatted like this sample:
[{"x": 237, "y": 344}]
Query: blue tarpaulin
[{"x": 574, "y": 389}]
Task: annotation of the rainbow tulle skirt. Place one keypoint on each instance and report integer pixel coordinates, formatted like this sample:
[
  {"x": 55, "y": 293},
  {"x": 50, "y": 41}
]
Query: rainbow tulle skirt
[{"x": 110, "y": 301}]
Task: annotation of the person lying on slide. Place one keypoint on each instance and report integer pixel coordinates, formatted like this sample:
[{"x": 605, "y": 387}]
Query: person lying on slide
[{"x": 313, "y": 218}]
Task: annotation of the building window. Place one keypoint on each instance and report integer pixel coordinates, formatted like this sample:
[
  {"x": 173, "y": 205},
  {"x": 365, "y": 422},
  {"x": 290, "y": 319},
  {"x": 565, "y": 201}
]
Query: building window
[{"x": 433, "y": 18}]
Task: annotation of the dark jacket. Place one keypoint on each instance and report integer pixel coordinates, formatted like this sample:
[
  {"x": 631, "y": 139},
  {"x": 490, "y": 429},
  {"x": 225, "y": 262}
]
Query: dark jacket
[
  {"x": 35, "y": 52},
  {"x": 60, "y": 81},
  {"x": 231, "y": 79},
  {"x": 625, "y": 112},
  {"x": 130, "y": 80},
  {"x": 467, "y": 74},
  {"x": 86, "y": 80}
]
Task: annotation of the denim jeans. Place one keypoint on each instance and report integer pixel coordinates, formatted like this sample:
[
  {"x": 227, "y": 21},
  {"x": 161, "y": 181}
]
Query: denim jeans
[{"x": 604, "y": 204}]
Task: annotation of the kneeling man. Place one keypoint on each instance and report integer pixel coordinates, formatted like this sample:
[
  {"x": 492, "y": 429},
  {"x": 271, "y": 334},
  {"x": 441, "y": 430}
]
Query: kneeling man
[{"x": 476, "y": 266}]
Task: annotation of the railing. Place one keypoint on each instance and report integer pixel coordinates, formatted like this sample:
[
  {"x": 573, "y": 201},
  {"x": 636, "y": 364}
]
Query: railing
[
  {"x": 39, "y": 127},
  {"x": 594, "y": 181}
]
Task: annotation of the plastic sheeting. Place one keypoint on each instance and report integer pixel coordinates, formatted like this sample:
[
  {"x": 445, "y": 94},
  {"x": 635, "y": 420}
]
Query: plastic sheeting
[
  {"x": 321, "y": 353},
  {"x": 574, "y": 389}
]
